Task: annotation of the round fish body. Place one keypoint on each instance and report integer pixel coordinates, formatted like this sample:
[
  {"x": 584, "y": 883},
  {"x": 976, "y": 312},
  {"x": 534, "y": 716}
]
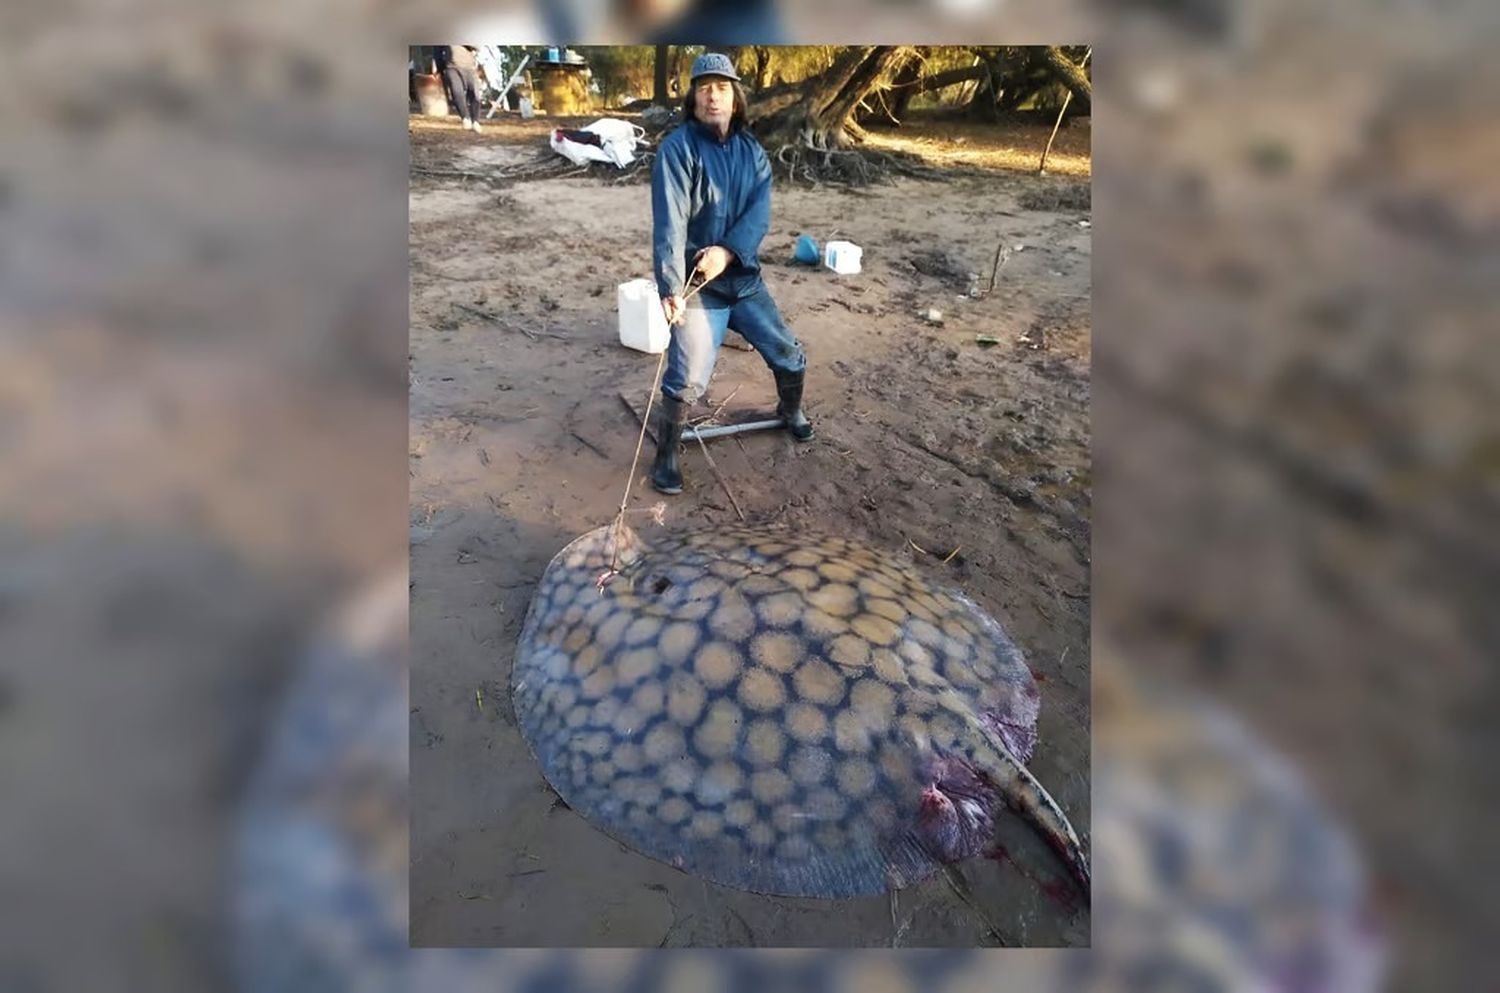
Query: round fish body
[
  {"x": 778, "y": 712},
  {"x": 1214, "y": 846}
]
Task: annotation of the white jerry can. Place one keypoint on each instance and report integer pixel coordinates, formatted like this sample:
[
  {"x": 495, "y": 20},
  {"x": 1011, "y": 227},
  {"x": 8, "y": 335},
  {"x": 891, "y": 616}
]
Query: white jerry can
[
  {"x": 842, "y": 256},
  {"x": 643, "y": 325}
]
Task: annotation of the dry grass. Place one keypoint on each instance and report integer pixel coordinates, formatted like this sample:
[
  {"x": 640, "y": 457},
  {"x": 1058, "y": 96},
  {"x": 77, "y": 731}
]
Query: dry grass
[
  {"x": 504, "y": 127},
  {"x": 1008, "y": 147},
  {"x": 998, "y": 147}
]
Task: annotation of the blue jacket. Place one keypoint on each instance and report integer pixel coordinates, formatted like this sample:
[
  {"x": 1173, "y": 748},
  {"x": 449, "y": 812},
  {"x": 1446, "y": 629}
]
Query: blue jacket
[{"x": 705, "y": 192}]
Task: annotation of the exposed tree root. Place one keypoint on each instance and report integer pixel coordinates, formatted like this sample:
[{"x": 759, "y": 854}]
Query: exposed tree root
[{"x": 856, "y": 167}]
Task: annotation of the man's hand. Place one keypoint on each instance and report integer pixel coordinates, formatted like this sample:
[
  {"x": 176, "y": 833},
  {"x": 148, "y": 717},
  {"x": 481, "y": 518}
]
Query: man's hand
[
  {"x": 712, "y": 261},
  {"x": 674, "y": 307}
]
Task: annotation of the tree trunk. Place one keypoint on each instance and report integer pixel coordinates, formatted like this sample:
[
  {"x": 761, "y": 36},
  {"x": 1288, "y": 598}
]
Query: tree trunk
[
  {"x": 1019, "y": 74},
  {"x": 1068, "y": 73},
  {"x": 819, "y": 112},
  {"x": 659, "y": 84},
  {"x": 762, "y": 67},
  {"x": 891, "y": 105},
  {"x": 752, "y": 62},
  {"x": 901, "y": 93},
  {"x": 943, "y": 80},
  {"x": 998, "y": 83}
]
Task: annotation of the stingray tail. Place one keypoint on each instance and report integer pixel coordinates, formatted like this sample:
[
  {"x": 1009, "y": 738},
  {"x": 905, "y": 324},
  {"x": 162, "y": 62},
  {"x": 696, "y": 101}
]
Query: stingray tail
[{"x": 1031, "y": 800}]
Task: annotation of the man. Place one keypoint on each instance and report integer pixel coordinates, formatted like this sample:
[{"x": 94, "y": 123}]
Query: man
[
  {"x": 460, "y": 68},
  {"x": 710, "y": 207}
]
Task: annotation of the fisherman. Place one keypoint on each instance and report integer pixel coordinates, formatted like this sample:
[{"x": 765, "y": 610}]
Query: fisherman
[{"x": 710, "y": 208}]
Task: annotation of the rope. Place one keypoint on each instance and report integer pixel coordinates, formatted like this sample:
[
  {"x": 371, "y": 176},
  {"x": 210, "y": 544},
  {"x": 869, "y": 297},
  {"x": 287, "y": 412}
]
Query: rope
[{"x": 640, "y": 442}]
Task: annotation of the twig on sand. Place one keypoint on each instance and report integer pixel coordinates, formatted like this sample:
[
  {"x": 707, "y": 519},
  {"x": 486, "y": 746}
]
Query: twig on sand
[
  {"x": 946, "y": 558},
  {"x": 495, "y": 319},
  {"x": 590, "y": 445},
  {"x": 637, "y": 415},
  {"x": 449, "y": 173},
  {"x": 1002, "y": 256},
  {"x": 960, "y": 888},
  {"x": 713, "y": 414},
  {"x": 720, "y": 476}
]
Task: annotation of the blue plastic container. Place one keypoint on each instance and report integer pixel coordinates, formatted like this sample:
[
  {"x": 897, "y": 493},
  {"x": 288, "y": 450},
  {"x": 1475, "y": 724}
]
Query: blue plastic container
[{"x": 807, "y": 250}]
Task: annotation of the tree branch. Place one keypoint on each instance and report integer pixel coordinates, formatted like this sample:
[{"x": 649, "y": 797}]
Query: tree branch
[{"x": 1069, "y": 74}]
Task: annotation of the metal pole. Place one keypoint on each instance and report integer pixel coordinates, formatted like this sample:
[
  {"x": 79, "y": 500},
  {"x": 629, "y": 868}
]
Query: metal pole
[{"x": 720, "y": 430}]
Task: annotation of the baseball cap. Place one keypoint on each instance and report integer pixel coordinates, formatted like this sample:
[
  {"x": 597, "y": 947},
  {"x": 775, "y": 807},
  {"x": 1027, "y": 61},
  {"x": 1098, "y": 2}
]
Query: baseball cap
[{"x": 713, "y": 64}]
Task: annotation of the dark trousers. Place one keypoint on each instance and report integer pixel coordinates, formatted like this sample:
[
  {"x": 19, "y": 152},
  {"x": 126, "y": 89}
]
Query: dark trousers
[{"x": 463, "y": 87}]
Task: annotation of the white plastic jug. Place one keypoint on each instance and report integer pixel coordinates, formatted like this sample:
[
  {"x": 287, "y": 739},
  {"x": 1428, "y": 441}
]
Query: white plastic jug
[
  {"x": 842, "y": 256},
  {"x": 643, "y": 325}
]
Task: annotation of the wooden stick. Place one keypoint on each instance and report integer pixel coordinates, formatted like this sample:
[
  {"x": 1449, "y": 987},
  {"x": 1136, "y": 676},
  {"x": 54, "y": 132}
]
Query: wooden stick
[
  {"x": 720, "y": 476},
  {"x": 717, "y": 410},
  {"x": 495, "y": 320},
  {"x": 637, "y": 415},
  {"x": 1042, "y": 169},
  {"x": 464, "y": 174},
  {"x": 500, "y": 322},
  {"x": 960, "y": 887},
  {"x": 590, "y": 445},
  {"x": 1002, "y": 256}
]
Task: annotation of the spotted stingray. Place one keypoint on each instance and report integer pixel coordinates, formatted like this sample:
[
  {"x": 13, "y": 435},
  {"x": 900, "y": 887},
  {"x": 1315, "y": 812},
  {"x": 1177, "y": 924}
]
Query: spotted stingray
[
  {"x": 787, "y": 714},
  {"x": 1224, "y": 871}
]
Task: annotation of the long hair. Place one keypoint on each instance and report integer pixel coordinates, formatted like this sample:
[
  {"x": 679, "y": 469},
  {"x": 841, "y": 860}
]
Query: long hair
[{"x": 736, "y": 117}]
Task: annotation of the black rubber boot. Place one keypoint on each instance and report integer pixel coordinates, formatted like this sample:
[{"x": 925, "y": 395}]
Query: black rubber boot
[
  {"x": 665, "y": 475},
  {"x": 789, "y": 404}
]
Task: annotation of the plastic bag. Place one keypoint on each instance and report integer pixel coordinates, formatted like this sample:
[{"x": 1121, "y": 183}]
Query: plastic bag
[{"x": 618, "y": 139}]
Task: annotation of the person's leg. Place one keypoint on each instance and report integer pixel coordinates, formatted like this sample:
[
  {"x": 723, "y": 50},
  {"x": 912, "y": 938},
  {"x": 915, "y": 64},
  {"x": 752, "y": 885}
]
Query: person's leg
[
  {"x": 666, "y": 477},
  {"x": 757, "y": 318},
  {"x": 455, "y": 79},
  {"x": 471, "y": 88},
  {"x": 690, "y": 365},
  {"x": 695, "y": 348}
]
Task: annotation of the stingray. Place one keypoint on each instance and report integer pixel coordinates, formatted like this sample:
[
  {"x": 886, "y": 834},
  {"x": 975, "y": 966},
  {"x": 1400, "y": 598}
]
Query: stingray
[{"x": 779, "y": 712}]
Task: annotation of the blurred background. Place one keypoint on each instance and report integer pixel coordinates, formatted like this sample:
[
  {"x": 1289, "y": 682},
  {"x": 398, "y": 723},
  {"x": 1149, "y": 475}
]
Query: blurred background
[{"x": 202, "y": 407}]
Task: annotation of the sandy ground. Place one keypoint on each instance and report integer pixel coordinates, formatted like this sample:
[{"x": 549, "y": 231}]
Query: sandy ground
[{"x": 926, "y": 440}]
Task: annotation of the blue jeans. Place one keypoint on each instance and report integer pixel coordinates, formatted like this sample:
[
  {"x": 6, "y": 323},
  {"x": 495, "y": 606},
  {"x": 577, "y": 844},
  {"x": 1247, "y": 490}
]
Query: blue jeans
[{"x": 744, "y": 305}]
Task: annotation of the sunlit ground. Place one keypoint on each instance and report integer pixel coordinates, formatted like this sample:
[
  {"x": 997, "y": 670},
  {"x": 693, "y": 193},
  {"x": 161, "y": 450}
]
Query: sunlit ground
[
  {"x": 1009, "y": 147},
  {"x": 1003, "y": 147}
]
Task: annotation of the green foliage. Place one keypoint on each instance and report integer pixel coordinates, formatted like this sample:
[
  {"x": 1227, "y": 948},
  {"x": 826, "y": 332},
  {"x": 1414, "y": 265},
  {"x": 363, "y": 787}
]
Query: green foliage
[
  {"x": 626, "y": 72},
  {"x": 623, "y": 72}
]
